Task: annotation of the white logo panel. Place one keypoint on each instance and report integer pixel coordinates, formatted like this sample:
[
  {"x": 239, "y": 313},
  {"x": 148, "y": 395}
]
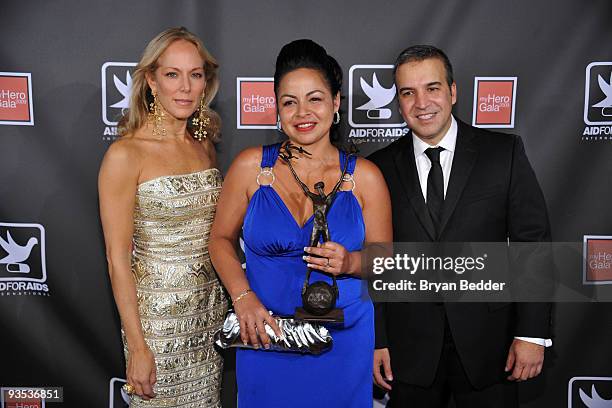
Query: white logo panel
[
  {"x": 372, "y": 97},
  {"x": 117, "y": 397},
  {"x": 116, "y": 90},
  {"x": 598, "y": 94},
  {"x": 22, "y": 253},
  {"x": 589, "y": 392}
]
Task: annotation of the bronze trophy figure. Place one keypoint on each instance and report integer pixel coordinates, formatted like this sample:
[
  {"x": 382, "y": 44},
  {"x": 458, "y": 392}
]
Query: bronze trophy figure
[{"x": 318, "y": 299}]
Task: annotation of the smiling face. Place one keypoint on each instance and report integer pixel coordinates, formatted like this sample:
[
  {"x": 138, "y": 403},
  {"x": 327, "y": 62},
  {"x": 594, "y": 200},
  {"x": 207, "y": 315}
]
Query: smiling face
[
  {"x": 179, "y": 79},
  {"x": 306, "y": 106},
  {"x": 425, "y": 98}
]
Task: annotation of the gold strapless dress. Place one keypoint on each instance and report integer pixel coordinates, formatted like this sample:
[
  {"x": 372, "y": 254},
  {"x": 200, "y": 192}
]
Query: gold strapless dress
[{"x": 180, "y": 299}]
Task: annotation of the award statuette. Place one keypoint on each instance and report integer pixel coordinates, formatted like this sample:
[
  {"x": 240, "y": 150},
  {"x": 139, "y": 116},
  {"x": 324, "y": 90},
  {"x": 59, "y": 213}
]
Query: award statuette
[{"x": 318, "y": 299}]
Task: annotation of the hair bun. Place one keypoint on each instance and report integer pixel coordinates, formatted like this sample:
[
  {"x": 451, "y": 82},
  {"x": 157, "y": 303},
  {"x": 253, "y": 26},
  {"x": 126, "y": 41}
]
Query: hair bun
[{"x": 305, "y": 53}]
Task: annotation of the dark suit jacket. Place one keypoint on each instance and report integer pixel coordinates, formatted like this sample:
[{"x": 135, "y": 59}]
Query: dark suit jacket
[{"x": 492, "y": 194}]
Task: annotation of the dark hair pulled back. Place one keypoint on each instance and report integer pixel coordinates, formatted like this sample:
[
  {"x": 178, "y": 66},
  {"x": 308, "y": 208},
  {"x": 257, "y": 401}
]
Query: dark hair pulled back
[{"x": 306, "y": 53}]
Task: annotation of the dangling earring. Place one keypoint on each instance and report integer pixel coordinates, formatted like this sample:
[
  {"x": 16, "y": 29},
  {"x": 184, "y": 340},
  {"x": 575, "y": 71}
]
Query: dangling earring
[
  {"x": 156, "y": 115},
  {"x": 336, "y": 118},
  {"x": 201, "y": 120},
  {"x": 279, "y": 127}
]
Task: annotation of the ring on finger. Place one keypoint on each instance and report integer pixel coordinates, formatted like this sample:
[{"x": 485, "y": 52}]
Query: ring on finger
[
  {"x": 327, "y": 265},
  {"x": 128, "y": 388}
]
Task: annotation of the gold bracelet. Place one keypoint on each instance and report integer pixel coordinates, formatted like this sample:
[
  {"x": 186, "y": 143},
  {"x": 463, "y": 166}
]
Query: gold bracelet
[{"x": 240, "y": 296}]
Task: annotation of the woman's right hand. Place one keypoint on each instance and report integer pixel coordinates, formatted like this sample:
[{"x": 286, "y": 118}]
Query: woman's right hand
[
  {"x": 141, "y": 372},
  {"x": 253, "y": 316}
]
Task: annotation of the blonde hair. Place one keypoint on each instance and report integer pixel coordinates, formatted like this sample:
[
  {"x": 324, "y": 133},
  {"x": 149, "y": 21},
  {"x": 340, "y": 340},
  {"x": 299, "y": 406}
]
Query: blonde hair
[{"x": 138, "y": 112}]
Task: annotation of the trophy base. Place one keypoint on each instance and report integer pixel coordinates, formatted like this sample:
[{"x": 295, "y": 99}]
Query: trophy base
[{"x": 334, "y": 316}]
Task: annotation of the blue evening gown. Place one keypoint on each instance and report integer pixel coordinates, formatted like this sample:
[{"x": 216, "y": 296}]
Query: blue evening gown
[{"x": 274, "y": 246}]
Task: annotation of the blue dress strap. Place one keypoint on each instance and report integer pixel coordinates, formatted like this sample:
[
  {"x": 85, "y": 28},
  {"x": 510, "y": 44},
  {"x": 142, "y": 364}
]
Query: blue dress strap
[
  {"x": 270, "y": 154},
  {"x": 350, "y": 168}
]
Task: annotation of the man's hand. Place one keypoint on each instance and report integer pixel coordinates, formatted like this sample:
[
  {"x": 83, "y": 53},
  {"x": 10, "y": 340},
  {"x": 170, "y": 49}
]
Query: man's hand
[
  {"x": 382, "y": 358},
  {"x": 525, "y": 359}
]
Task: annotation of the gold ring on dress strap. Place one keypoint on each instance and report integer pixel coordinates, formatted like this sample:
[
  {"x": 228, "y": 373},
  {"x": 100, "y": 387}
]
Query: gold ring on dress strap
[
  {"x": 266, "y": 171},
  {"x": 349, "y": 178}
]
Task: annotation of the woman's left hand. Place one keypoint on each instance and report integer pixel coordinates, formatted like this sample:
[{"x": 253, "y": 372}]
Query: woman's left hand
[{"x": 330, "y": 257}]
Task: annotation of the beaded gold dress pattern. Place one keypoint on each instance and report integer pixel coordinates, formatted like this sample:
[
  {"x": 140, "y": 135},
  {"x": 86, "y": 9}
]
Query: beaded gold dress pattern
[{"x": 180, "y": 299}]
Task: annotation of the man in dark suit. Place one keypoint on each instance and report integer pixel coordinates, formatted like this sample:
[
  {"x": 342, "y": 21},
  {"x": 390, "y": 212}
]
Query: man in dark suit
[{"x": 451, "y": 182}]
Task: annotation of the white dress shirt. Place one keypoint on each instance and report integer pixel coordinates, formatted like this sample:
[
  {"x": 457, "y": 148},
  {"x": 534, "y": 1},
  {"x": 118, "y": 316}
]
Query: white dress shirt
[{"x": 423, "y": 164}]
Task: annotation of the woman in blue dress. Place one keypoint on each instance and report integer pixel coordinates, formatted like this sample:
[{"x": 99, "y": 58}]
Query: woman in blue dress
[{"x": 262, "y": 197}]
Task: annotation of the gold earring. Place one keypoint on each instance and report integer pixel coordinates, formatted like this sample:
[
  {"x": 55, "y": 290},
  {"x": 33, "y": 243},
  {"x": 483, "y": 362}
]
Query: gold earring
[
  {"x": 200, "y": 122},
  {"x": 156, "y": 115}
]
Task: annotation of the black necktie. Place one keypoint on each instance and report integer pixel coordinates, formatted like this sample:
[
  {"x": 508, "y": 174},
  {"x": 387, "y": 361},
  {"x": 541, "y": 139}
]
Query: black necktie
[{"x": 435, "y": 187}]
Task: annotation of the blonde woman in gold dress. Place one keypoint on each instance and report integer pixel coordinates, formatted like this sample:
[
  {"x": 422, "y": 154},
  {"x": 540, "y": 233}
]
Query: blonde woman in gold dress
[{"x": 158, "y": 189}]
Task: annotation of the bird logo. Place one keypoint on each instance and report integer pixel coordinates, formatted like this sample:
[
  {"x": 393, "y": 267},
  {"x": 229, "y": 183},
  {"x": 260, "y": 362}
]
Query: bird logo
[
  {"x": 594, "y": 401},
  {"x": 124, "y": 89},
  {"x": 606, "y": 88},
  {"x": 16, "y": 254},
  {"x": 379, "y": 98}
]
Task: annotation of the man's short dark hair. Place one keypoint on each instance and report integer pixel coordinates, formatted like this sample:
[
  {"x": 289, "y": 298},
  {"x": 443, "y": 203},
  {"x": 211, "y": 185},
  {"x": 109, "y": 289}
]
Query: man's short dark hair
[{"x": 423, "y": 52}]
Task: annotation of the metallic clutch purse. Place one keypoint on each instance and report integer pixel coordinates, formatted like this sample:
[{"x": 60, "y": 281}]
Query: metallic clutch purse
[{"x": 298, "y": 335}]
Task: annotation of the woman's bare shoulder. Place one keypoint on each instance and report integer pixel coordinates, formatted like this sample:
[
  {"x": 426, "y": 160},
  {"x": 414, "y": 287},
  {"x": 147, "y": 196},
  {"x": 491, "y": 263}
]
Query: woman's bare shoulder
[
  {"x": 367, "y": 172},
  {"x": 124, "y": 156},
  {"x": 249, "y": 158}
]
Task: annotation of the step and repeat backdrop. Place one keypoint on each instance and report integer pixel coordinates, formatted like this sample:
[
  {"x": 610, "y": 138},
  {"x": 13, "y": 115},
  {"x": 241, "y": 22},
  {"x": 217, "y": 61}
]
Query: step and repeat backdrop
[{"x": 541, "y": 69}]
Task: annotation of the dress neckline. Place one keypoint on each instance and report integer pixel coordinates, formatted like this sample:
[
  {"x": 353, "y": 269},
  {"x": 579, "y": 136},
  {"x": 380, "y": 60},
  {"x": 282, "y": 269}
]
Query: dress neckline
[
  {"x": 271, "y": 162},
  {"x": 177, "y": 175},
  {"x": 286, "y": 210}
]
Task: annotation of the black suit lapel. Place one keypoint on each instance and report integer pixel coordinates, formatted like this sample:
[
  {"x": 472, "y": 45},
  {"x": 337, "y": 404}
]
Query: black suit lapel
[
  {"x": 463, "y": 163},
  {"x": 406, "y": 169}
]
